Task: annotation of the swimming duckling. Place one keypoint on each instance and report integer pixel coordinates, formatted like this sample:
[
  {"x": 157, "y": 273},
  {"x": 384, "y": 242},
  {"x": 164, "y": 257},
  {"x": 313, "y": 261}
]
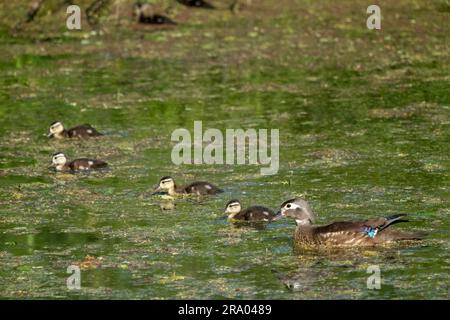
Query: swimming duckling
[
  {"x": 168, "y": 185},
  {"x": 59, "y": 161},
  {"x": 58, "y": 131},
  {"x": 196, "y": 3},
  {"x": 145, "y": 13},
  {"x": 345, "y": 233},
  {"x": 254, "y": 213}
]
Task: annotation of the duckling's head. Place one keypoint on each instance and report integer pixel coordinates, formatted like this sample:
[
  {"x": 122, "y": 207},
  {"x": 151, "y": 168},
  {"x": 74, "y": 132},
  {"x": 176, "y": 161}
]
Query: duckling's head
[
  {"x": 59, "y": 159},
  {"x": 299, "y": 210},
  {"x": 233, "y": 207},
  {"x": 142, "y": 9},
  {"x": 55, "y": 129},
  {"x": 166, "y": 183}
]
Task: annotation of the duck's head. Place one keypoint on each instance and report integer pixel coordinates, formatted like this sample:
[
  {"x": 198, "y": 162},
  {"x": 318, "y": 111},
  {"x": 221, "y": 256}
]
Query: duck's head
[
  {"x": 55, "y": 129},
  {"x": 142, "y": 9},
  {"x": 59, "y": 159},
  {"x": 299, "y": 210},
  {"x": 165, "y": 184},
  {"x": 232, "y": 208}
]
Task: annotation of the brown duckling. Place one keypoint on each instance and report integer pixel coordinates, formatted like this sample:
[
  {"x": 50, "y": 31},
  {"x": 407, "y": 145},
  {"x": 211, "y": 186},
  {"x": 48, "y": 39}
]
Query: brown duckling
[
  {"x": 168, "y": 185},
  {"x": 196, "y": 3},
  {"x": 84, "y": 131},
  {"x": 59, "y": 161},
  {"x": 253, "y": 213},
  {"x": 145, "y": 13},
  {"x": 343, "y": 233}
]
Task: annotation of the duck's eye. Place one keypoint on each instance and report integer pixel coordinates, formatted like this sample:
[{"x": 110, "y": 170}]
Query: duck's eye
[{"x": 288, "y": 206}]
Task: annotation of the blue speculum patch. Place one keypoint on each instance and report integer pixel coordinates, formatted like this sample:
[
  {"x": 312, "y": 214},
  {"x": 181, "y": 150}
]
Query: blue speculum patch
[{"x": 370, "y": 232}]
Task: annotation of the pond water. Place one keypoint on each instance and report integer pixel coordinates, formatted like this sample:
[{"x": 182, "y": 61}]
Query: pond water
[{"x": 361, "y": 135}]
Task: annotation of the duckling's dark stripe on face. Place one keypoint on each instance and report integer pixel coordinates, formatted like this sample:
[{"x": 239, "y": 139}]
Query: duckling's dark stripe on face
[
  {"x": 233, "y": 202},
  {"x": 58, "y": 154},
  {"x": 53, "y": 123}
]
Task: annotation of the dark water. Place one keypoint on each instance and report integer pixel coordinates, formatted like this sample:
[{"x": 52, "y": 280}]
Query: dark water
[{"x": 355, "y": 141}]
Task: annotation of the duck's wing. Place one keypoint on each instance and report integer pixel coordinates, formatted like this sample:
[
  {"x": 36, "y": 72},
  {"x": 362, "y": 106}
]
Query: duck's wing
[
  {"x": 86, "y": 164},
  {"x": 341, "y": 226},
  {"x": 84, "y": 130},
  {"x": 79, "y": 164},
  {"x": 363, "y": 230},
  {"x": 258, "y": 213},
  {"x": 202, "y": 187},
  {"x": 341, "y": 233}
]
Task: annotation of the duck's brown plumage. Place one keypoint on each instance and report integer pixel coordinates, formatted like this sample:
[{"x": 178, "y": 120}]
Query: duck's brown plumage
[
  {"x": 82, "y": 165},
  {"x": 196, "y": 3},
  {"x": 353, "y": 233},
  {"x": 86, "y": 164},
  {"x": 200, "y": 188},
  {"x": 149, "y": 14},
  {"x": 82, "y": 131},
  {"x": 255, "y": 213}
]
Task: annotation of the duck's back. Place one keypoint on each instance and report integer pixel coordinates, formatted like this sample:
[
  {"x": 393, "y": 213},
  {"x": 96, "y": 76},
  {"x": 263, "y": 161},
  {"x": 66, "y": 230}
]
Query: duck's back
[
  {"x": 83, "y": 131},
  {"x": 201, "y": 188},
  {"x": 255, "y": 213},
  {"x": 86, "y": 164},
  {"x": 354, "y": 233}
]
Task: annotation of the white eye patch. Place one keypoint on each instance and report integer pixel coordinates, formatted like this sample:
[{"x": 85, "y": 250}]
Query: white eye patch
[{"x": 292, "y": 206}]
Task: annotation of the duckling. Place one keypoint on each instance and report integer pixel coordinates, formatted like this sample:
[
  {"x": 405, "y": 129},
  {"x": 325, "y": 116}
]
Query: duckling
[
  {"x": 58, "y": 131},
  {"x": 59, "y": 161},
  {"x": 199, "y": 187},
  {"x": 346, "y": 233},
  {"x": 196, "y": 3},
  {"x": 145, "y": 13},
  {"x": 254, "y": 213}
]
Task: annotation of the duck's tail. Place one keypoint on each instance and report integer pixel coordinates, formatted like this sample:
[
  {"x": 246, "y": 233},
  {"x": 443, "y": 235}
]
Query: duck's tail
[
  {"x": 390, "y": 220},
  {"x": 395, "y": 235}
]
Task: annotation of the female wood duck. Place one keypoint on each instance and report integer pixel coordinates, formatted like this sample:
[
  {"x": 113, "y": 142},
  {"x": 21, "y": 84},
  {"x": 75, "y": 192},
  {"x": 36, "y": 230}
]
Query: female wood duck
[
  {"x": 168, "y": 185},
  {"x": 253, "y": 213},
  {"x": 59, "y": 161},
  {"x": 84, "y": 131},
  {"x": 345, "y": 233}
]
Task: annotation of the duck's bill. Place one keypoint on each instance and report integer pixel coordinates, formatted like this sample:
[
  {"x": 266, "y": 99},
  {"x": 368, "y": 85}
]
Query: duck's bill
[
  {"x": 157, "y": 190},
  {"x": 50, "y": 135},
  {"x": 278, "y": 216}
]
